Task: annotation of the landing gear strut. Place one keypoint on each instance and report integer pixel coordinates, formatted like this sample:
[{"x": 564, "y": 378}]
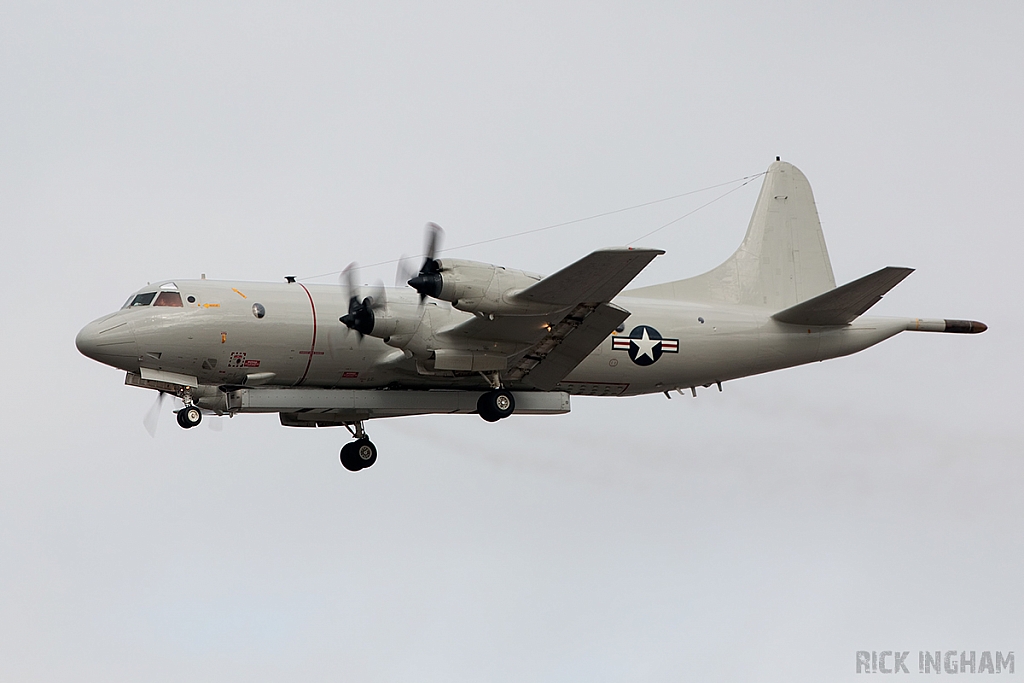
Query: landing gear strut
[{"x": 359, "y": 454}]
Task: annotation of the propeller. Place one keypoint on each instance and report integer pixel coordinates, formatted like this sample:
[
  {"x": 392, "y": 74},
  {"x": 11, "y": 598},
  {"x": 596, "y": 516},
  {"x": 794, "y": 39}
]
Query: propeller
[
  {"x": 152, "y": 417},
  {"x": 360, "y": 309},
  {"x": 428, "y": 281},
  {"x": 405, "y": 271}
]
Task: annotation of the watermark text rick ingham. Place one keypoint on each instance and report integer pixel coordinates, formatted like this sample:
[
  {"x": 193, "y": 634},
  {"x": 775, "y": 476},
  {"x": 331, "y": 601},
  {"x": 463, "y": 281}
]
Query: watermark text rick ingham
[{"x": 935, "y": 662}]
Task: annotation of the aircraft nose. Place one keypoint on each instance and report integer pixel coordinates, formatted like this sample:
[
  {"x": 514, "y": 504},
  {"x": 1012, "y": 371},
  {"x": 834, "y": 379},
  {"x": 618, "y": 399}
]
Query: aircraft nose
[{"x": 110, "y": 341}]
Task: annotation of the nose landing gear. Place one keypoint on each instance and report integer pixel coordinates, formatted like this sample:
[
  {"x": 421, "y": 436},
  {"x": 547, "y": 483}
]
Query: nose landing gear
[
  {"x": 189, "y": 416},
  {"x": 359, "y": 454}
]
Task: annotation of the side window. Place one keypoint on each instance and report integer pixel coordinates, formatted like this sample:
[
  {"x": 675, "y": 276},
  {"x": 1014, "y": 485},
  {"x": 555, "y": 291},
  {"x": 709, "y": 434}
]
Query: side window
[
  {"x": 168, "y": 299},
  {"x": 143, "y": 299}
]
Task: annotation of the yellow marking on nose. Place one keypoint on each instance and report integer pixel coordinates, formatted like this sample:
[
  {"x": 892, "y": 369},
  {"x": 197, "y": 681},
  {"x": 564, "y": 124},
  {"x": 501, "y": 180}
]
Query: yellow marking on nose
[
  {"x": 211, "y": 305},
  {"x": 239, "y": 293},
  {"x": 223, "y": 337}
]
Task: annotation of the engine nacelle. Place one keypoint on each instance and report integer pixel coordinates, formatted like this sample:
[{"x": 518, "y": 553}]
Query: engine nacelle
[
  {"x": 477, "y": 287},
  {"x": 382, "y": 321}
]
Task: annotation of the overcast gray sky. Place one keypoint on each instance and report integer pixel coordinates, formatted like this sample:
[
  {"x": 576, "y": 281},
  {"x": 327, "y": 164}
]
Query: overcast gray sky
[{"x": 765, "y": 533}]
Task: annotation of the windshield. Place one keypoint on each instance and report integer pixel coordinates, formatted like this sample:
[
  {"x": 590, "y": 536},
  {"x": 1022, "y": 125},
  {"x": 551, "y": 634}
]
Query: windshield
[
  {"x": 168, "y": 299},
  {"x": 144, "y": 299}
]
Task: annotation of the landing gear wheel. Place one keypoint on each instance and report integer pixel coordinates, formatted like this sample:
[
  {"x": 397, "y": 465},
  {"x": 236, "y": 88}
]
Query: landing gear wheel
[
  {"x": 366, "y": 452},
  {"x": 190, "y": 416},
  {"x": 348, "y": 458},
  {"x": 358, "y": 455},
  {"x": 496, "y": 404}
]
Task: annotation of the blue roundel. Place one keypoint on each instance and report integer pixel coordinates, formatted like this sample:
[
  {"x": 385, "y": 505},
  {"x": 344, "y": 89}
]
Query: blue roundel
[{"x": 645, "y": 345}]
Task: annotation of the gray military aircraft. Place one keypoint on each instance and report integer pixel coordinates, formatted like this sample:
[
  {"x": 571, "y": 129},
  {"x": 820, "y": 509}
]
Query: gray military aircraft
[{"x": 471, "y": 337}]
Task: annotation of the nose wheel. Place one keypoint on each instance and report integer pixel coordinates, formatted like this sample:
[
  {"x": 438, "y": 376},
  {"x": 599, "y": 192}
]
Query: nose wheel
[
  {"x": 359, "y": 454},
  {"x": 189, "y": 417}
]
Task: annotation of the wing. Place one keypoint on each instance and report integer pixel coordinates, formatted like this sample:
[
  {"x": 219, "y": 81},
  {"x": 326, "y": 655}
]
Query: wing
[
  {"x": 555, "y": 343},
  {"x": 596, "y": 277}
]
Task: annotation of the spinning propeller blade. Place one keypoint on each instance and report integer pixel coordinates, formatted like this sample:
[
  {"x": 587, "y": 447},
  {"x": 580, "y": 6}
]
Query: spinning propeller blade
[
  {"x": 405, "y": 271},
  {"x": 360, "y": 308},
  {"x": 152, "y": 417},
  {"x": 428, "y": 281},
  {"x": 434, "y": 234}
]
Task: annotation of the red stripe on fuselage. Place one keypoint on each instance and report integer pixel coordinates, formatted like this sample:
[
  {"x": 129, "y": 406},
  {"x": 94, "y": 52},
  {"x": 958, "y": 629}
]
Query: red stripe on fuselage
[{"x": 312, "y": 346}]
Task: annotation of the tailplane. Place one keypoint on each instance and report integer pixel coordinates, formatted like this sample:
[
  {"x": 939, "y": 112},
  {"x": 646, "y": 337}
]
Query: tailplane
[
  {"x": 782, "y": 260},
  {"x": 844, "y": 304}
]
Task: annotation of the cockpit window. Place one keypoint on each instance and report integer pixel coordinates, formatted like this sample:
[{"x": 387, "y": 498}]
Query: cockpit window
[
  {"x": 168, "y": 299},
  {"x": 143, "y": 299}
]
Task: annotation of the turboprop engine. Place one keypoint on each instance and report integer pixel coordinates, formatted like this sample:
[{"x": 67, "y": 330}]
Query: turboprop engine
[
  {"x": 477, "y": 287},
  {"x": 369, "y": 313}
]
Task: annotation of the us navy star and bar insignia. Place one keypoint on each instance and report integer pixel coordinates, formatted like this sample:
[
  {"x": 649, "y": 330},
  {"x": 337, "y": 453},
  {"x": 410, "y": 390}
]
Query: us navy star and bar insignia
[{"x": 645, "y": 345}]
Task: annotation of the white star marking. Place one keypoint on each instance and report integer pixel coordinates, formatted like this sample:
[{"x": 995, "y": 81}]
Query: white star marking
[{"x": 645, "y": 345}]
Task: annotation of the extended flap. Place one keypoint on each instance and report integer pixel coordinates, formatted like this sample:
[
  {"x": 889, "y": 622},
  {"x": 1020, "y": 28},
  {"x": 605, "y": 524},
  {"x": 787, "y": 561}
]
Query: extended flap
[{"x": 568, "y": 343}]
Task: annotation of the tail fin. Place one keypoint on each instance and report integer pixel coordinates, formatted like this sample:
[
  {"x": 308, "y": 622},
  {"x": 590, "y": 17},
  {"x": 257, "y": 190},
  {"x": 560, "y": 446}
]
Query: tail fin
[{"x": 782, "y": 260}]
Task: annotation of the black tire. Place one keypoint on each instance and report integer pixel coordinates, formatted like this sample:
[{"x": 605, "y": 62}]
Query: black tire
[
  {"x": 496, "y": 404},
  {"x": 488, "y": 416},
  {"x": 190, "y": 416},
  {"x": 348, "y": 458}
]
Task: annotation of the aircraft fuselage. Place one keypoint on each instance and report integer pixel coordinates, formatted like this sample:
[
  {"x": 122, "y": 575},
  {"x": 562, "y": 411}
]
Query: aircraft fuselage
[{"x": 299, "y": 341}]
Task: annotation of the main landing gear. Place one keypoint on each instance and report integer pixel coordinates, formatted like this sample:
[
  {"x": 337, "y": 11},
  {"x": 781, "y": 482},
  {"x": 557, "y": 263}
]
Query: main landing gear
[
  {"x": 496, "y": 404},
  {"x": 359, "y": 454}
]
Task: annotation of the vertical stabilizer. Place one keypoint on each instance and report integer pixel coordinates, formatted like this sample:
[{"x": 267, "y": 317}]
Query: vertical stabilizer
[{"x": 782, "y": 260}]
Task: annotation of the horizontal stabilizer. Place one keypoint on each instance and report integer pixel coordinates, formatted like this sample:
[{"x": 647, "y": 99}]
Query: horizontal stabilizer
[{"x": 841, "y": 305}]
